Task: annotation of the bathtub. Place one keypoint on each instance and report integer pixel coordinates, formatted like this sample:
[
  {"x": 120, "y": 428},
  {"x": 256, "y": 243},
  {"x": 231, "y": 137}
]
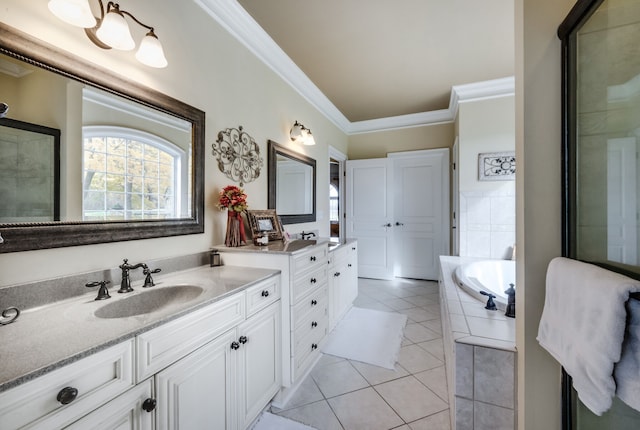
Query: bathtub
[{"x": 492, "y": 276}]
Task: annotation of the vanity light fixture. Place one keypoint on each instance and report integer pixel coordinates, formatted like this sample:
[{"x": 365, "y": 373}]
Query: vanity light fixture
[
  {"x": 300, "y": 133},
  {"x": 111, "y": 29}
]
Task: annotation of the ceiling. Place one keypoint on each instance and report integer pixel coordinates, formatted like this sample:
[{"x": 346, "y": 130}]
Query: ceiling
[{"x": 377, "y": 59}]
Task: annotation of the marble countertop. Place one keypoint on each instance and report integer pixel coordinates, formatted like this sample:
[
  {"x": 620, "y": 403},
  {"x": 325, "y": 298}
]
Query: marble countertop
[
  {"x": 289, "y": 248},
  {"x": 45, "y": 338}
]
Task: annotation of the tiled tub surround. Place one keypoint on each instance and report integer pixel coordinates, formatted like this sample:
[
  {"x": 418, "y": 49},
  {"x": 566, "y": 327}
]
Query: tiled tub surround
[
  {"x": 488, "y": 222},
  {"x": 50, "y": 335},
  {"x": 480, "y": 356}
]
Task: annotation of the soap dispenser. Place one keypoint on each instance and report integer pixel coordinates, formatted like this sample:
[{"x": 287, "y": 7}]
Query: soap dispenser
[{"x": 510, "y": 311}]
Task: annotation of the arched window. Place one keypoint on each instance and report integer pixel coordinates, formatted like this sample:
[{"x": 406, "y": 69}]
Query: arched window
[{"x": 129, "y": 174}]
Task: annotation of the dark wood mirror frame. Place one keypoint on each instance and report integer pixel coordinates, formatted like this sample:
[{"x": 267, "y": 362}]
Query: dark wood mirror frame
[
  {"x": 275, "y": 149},
  {"x": 30, "y": 236}
]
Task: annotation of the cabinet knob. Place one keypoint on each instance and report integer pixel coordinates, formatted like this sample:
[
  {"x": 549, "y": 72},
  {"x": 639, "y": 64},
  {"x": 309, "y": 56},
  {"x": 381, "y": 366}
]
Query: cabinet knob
[
  {"x": 67, "y": 395},
  {"x": 243, "y": 339},
  {"x": 313, "y": 280},
  {"x": 265, "y": 293},
  {"x": 314, "y": 302},
  {"x": 353, "y": 248},
  {"x": 336, "y": 274},
  {"x": 349, "y": 265},
  {"x": 312, "y": 258},
  {"x": 314, "y": 324},
  {"x": 235, "y": 345},
  {"x": 149, "y": 404},
  {"x": 314, "y": 346}
]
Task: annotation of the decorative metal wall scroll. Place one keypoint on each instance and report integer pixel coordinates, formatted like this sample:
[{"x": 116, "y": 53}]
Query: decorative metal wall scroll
[
  {"x": 238, "y": 155},
  {"x": 497, "y": 166}
]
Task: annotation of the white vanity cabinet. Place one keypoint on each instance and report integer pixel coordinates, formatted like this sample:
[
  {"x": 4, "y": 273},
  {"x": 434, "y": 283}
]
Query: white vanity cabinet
[
  {"x": 305, "y": 320},
  {"x": 216, "y": 368},
  {"x": 227, "y": 382},
  {"x": 64, "y": 395},
  {"x": 343, "y": 281}
]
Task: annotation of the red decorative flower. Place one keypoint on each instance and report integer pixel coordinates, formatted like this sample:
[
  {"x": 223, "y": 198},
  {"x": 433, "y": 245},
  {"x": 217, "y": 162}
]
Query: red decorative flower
[{"x": 232, "y": 198}]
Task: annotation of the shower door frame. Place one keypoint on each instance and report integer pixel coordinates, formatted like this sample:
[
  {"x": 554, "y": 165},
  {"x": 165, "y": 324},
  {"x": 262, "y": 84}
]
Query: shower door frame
[{"x": 567, "y": 32}]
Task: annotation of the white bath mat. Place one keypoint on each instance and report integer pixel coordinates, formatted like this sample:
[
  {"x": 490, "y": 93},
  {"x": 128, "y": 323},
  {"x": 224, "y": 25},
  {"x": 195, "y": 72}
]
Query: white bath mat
[
  {"x": 274, "y": 422},
  {"x": 369, "y": 336}
]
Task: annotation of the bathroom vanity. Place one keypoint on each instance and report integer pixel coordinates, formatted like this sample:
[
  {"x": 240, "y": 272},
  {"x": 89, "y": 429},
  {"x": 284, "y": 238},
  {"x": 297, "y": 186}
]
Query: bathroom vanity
[
  {"x": 319, "y": 284},
  {"x": 205, "y": 360}
]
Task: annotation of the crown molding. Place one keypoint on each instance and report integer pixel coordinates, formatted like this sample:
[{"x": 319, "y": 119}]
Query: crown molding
[{"x": 237, "y": 21}]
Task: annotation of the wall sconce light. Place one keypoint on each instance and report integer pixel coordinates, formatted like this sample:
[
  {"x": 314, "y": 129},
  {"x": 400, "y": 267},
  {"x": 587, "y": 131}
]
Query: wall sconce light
[
  {"x": 300, "y": 133},
  {"x": 111, "y": 29}
]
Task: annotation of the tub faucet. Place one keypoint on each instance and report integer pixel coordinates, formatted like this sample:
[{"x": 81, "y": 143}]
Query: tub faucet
[
  {"x": 491, "y": 305},
  {"x": 307, "y": 235},
  {"x": 510, "y": 311},
  {"x": 125, "y": 284}
]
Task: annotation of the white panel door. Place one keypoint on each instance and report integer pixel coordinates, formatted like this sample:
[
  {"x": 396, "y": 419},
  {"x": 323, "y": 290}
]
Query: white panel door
[
  {"x": 622, "y": 239},
  {"x": 369, "y": 215},
  {"x": 420, "y": 212}
]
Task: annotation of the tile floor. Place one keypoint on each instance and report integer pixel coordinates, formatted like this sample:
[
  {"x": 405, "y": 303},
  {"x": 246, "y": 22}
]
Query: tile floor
[{"x": 345, "y": 394}]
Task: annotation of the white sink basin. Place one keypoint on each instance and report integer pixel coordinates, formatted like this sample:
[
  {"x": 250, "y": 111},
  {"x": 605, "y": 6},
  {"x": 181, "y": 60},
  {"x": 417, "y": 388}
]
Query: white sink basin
[{"x": 149, "y": 301}]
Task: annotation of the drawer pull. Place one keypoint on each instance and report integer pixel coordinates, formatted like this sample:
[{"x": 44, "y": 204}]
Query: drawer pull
[
  {"x": 235, "y": 345},
  {"x": 149, "y": 404},
  {"x": 336, "y": 274},
  {"x": 314, "y": 302},
  {"x": 265, "y": 293},
  {"x": 312, "y": 258},
  {"x": 313, "y": 280},
  {"x": 67, "y": 395},
  {"x": 243, "y": 339},
  {"x": 314, "y": 346},
  {"x": 314, "y": 324}
]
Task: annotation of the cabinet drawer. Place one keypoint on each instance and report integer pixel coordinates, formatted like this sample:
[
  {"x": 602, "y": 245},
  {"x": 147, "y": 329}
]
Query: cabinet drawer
[
  {"x": 97, "y": 379},
  {"x": 166, "y": 344},
  {"x": 306, "y": 282},
  {"x": 316, "y": 257},
  {"x": 262, "y": 295},
  {"x": 306, "y": 336},
  {"x": 307, "y": 352},
  {"x": 316, "y": 299},
  {"x": 314, "y": 322}
]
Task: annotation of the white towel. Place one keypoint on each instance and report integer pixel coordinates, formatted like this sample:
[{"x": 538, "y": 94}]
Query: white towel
[
  {"x": 627, "y": 371},
  {"x": 583, "y": 325}
]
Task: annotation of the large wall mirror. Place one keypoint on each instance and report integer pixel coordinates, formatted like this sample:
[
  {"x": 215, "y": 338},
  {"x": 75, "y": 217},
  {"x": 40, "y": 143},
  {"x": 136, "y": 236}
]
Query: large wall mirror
[
  {"x": 131, "y": 162},
  {"x": 292, "y": 184}
]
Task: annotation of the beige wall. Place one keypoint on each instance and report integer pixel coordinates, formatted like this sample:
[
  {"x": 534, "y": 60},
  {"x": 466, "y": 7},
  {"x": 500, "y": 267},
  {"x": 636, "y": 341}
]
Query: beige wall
[
  {"x": 378, "y": 144},
  {"x": 210, "y": 70},
  {"x": 538, "y": 187}
]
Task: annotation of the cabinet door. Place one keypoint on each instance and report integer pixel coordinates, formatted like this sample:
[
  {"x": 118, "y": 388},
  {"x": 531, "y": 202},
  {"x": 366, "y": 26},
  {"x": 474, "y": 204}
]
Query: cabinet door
[
  {"x": 125, "y": 412},
  {"x": 198, "y": 391},
  {"x": 260, "y": 363}
]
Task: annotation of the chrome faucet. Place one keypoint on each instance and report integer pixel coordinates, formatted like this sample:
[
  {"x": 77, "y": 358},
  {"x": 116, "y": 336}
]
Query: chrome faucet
[
  {"x": 307, "y": 235},
  {"x": 125, "y": 284}
]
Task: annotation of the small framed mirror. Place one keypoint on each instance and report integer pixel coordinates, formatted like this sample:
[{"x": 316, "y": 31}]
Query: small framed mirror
[{"x": 292, "y": 184}]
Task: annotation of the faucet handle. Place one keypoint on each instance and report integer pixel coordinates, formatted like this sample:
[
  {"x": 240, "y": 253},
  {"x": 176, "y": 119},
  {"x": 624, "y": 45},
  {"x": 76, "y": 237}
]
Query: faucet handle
[
  {"x": 103, "y": 292},
  {"x": 148, "y": 280}
]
